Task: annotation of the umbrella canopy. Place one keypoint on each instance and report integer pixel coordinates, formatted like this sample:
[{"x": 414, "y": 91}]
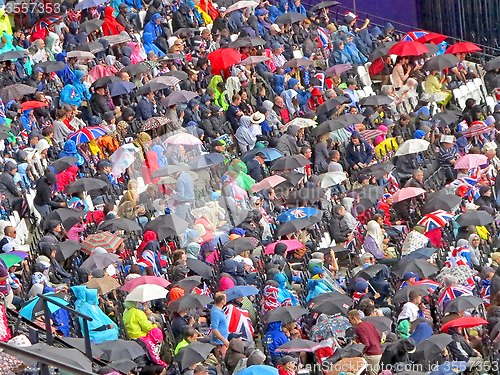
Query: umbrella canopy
[
  {"x": 103, "y": 284},
  {"x": 85, "y": 184},
  {"x": 107, "y": 240},
  {"x": 93, "y": 47},
  {"x": 380, "y": 51},
  {"x": 476, "y": 128},
  {"x": 121, "y": 88},
  {"x": 15, "y": 91},
  {"x": 331, "y": 307},
  {"x": 470, "y": 161},
  {"x": 464, "y": 322},
  {"x": 51, "y": 66},
  {"x": 349, "y": 119},
  {"x": 423, "y": 253},
  {"x": 176, "y": 97},
  {"x": 412, "y": 146},
  {"x": 241, "y": 291},
  {"x": 34, "y": 307},
  {"x": 190, "y": 301},
  {"x": 99, "y": 261},
  {"x": 370, "y": 272},
  {"x": 434, "y": 344},
  {"x": 206, "y": 160},
  {"x": 135, "y": 69},
  {"x": 378, "y": 170},
  {"x": 409, "y": 48},
  {"x": 192, "y": 354},
  {"x": 104, "y": 81},
  {"x": 44, "y": 22},
  {"x": 12, "y": 55},
  {"x": 68, "y": 248},
  {"x": 441, "y": 62},
  {"x": 376, "y": 100},
  {"x": 242, "y": 4},
  {"x": 298, "y": 345},
  {"x": 155, "y": 122},
  {"x": 81, "y": 55},
  {"x": 331, "y": 104},
  {"x": 85, "y": 4},
  {"x": 167, "y": 80},
  {"x": 289, "y": 18},
  {"x": 337, "y": 70},
  {"x": 324, "y": 4},
  {"x": 300, "y": 122},
  {"x": 87, "y": 134},
  {"x": 169, "y": 170},
  {"x": 223, "y": 58},
  {"x": 33, "y": 104},
  {"x": 365, "y": 135},
  {"x": 254, "y": 60},
  {"x": 189, "y": 283},
  {"x": 329, "y": 126},
  {"x": 270, "y": 153},
  {"x": 285, "y": 314},
  {"x": 297, "y": 213},
  {"x": 332, "y": 178},
  {"x": 289, "y": 163},
  {"x": 475, "y": 218},
  {"x": 447, "y": 118},
  {"x": 167, "y": 226},
  {"x": 79, "y": 344},
  {"x": 183, "y": 139},
  {"x": 463, "y": 47},
  {"x": 60, "y": 165},
  {"x": 297, "y": 63},
  {"x": 371, "y": 192},
  {"x": 419, "y": 266},
  {"x": 91, "y": 25},
  {"x": 259, "y": 370},
  {"x": 120, "y": 349},
  {"x": 200, "y": 268},
  {"x": 434, "y": 38},
  {"x": 146, "y": 292},
  {"x": 445, "y": 202},
  {"x": 241, "y": 244},
  {"x": 381, "y": 323},
  {"x": 119, "y": 224},
  {"x": 290, "y": 246},
  {"x": 436, "y": 219},
  {"x": 143, "y": 280},
  {"x": 151, "y": 87},
  {"x": 70, "y": 357},
  {"x": 403, "y": 295},
  {"x": 490, "y": 65},
  {"x": 407, "y": 193},
  {"x": 267, "y": 183},
  {"x": 68, "y": 217},
  {"x": 331, "y": 296},
  {"x": 462, "y": 303},
  {"x": 13, "y": 257}
]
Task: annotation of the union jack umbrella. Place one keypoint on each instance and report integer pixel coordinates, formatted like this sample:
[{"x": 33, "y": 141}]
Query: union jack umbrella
[
  {"x": 436, "y": 219},
  {"x": 413, "y": 35},
  {"x": 369, "y": 134},
  {"x": 431, "y": 284},
  {"x": 453, "y": 292},
  {"x": 297, "y": 213},
  {"x": 476, "y": 128},
  {"x": 44, "y": 22},
  {"x": 87, "y": 134}
]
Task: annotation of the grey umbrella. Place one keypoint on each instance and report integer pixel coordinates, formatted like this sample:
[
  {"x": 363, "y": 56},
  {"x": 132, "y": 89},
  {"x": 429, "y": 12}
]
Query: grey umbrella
[
  {"x": 200, "y": 268},
  {"x": 403, "y": 295},
  {"x": 332, "y": 296},
  {"x": 420, "y": 266},
  {"x": 434, "y": 344},
  {"x": 189, "y": 301},
  {"x": 68, "y": 248},
  {"x": 71, "y": 357},
  {"x": 120, "y": 349},
  {"x": 192, "y": 354},
  {"x": 15, "y": 91},
  {"x": 176, "y": 97},
  {"x": 79, "y": 343},
  {"x": 254, "y": 60},
  {"x": 285, "y": 314},
  {"x": 463, "y": 303},
  {"x": 99, "y": 261},
  {"x": 475, "y": 218},
  {"x": 169, "y": 170},
  {"x": 381, "y": 323}
]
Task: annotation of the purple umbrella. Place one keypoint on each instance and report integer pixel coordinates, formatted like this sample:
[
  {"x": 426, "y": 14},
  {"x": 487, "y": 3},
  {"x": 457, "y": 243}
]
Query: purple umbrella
[{"x": 336, "y": 70}]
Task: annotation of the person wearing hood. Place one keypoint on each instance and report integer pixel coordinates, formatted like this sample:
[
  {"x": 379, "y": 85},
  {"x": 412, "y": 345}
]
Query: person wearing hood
[
  {"x": 76, "y": 92},
  {"x": 149, "y": 46},
  {"x": 154, "y": 25},
  {"x": 73, "y": 38},
  {"x": 339, "y": 55},
  {"x": 315, "y": 100},
  {"x": 8, "y": 187},
  {"x": 43, "y": 199},
  {"x": 397, "y": 354},
  {"x": 475, "y": 253},
  {"x": 459, "y": 348},
  {"x": 246, "y": 140},
  {"x": 287, "y": 143},
  {"x": 136, "y": 321},
  {"x": 123, "y": 18},
  {"x": 356, "y": 56},
  {"x": 296, "y": 6},
  {"x": 154, "y": 7},
  {"x": 339, "y": 230},
  {"x": 181, "y": 19},
  {"x": 486, "y": 199},
  {"x": 70, "y": 149},
  {"x": 235, "y": 353},
  {"x": 235, "y": 21},
  {"x": 274, "y": 338},
  {"x": 111, "y": 26},
  {"x": 349, "y": 218},
  {"x": 283, "y": 293},
  {"x": 358, "y": 152},
  {"x": 66, "y": 75}
]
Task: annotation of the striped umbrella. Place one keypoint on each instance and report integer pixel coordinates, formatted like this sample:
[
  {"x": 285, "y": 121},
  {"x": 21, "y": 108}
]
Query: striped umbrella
[
  {"x": 470, "y": 161},
  {"x": 476, "y": 128},
  {"x": 106, "y": 240},
  {"x": 87, "y": 134},
  {"x": 436, "y": 219},
  {"x": 44, "y": 22},
  {"x": 369, "y": 134}
]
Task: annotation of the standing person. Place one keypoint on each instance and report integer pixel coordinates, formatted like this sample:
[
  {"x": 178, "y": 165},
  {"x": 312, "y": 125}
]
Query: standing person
[
  {"x": 185, "y": 193},
  {"x": 367, "y": 334},
  {"x": 218, "y": 323}
]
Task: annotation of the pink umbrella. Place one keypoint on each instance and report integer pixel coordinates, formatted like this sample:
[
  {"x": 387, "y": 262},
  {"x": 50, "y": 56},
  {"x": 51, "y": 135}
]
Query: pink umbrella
[
  {"x": 268, "y": 182},
  {"x": 471, "y": 161},
  {"x": 407, "y": 193},
  {"x": 155, "y": 280},
  {"x": 183, "y": 139},
  {"x": 290, "y": 246}
]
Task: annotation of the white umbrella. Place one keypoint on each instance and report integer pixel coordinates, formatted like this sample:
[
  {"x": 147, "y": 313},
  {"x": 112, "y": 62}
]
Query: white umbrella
[
  {"x": 412, "y": 146},
  {"x": 242, "y": 5},
  {"x": 146, "y": 292},
  {"x": 123, "y": 158},
  {"x": 82, "y": 55},
  {"x": 183, "y": 139},
  {"x": 332, "y": 178},
  {"x": 168, "y": 80}
]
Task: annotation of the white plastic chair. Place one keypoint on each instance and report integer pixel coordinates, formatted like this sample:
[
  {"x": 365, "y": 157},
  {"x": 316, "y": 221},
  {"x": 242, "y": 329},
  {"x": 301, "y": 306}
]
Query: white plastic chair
[
  {"x": 491, "y": 102},
  {"x": 142, "y": 16},
  {"x": 368, "y": 91},
  {"x": 457, "y": 95},
  {"x": 465, "y": 91}
]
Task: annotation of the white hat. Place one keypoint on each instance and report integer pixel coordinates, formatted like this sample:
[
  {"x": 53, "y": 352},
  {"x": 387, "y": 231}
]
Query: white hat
[
  {"x": 447, "y": 139},
  {"x": 275, "y": 27},
  {"x": 257, "y": 118},
  {"x": 489, "y": 146}
]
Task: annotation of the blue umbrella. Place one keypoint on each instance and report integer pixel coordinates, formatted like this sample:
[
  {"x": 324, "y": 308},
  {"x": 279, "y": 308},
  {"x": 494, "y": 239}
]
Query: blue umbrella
[
  {"x": 297, "y": 213},
  {"x": 450, "y": 368},
  {"x": 271, "y": 154},
  {"x": 259, "y": 370},
  {"x": 34, "y": 308},
  {"x": 240, "y": 291},
  {"x": 120, "y": 88},
  {"x": 206, "y": 160},
  {"x": 422, "y": 253}
]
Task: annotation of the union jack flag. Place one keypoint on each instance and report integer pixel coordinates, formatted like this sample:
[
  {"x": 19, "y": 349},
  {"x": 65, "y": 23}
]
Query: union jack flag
[
  {"x": 459, "y": 257},
  {"x": 323, "y": 37},
  {"x": 431, "y": 284},
  {"x": 436, "y": 219},
  {"x": 453, "y": 292},
  {"x": 298, "y": 213},
  {"x": 463, "y": 181},
  {"x": 486, "y": 293},
  {"x": 238, "y": 321},
  {"x": 413, "y": 35},
  {"x": 392, "y": 183}
]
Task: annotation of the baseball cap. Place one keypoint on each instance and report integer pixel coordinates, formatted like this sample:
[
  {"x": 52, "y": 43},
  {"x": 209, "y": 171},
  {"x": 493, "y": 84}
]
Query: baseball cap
[
  {"x": 122, "y": 5},
  {"x": 408, "y": 275},
  {"x": 275, "y": 27},
  {"x": 103, "y": 163},
  {"x": 222, "y": 9}
]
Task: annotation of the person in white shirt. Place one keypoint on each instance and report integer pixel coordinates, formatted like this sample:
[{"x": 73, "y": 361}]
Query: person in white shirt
[{"x": 411, "y": 309}]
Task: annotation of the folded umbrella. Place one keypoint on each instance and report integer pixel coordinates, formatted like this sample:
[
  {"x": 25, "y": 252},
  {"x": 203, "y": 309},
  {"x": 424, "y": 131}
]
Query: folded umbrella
[
  {"x": 99, "y": 261},
  {"x": 470, "y": 161},
  {"x": 403, "y": 295},
  {"x": 332, "y": 178},
  {"x": 143, "y": 280},
  {"x": 289, "y": 18},
  {"x": 285, "y": 314},
  {"x": 120, "y": 349},
  {"x": 419, "y": 266},
  {"x": 332, "y": 104},
  {"x": 108, "y": 241},
  {"x": 85, "y": 184},
  {"x": 103, "y": 284},
  {"x": 151, "y": 87},
  {"x": 51, "y": 66},
  {"x": 241, "y": 291},
  {"x": 330, "y": 307},
  {"x": 241, "y": 244},
  {"x": 462, "y": 303},
  {"x": 177, "y": 97},
  {"x": 68, "y": 217},
  {"x": 445, "y": 202},
  {"x": 91, "y": 25},
  {"x": 376, "y": 100},
  {"x": 477, "y": 218},
  {"x": 121, "y": 88},
  {"x": 407, "y": 193},
  {"x": 462, "y": 47},
  {"x": 289, "y": 163},
  {"x": 190, "y": 301},
  {"x": 146, "y": 292},
  {"x": 104, "y": 81},
  {"x": 298, "y": 345},
  {"x": 206, "y": 160},
  {"x": 119, "y": 224},
  {"x": 200, "y": 268},
  {"x": 192, "y": 354},
  {"x": 15, "y": 91},
  {"x": 381, "y": 323},
  {"x": 434, "y": 344},
  {"x": 291, "y": 245},
  {"x": 412, "y": 146},
  {"x": 270, "y": 153},
  {"x": 267, "y": 183},
  {"x": 337, "y": 70},
  {"x": 297, "y": 63},
  {"x": 167, "y": 226}
]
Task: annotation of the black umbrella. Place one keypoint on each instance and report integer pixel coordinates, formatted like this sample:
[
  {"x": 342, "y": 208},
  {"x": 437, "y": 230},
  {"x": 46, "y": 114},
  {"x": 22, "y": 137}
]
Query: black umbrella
[
  {"x": 200, "y": 268},
  {"x": 305, "y": 195},
  {"x": 370, "y": 272},
  {"x": 119, "y": 224},
  {"x": 135, "y": 69},
  {"x": 185, "y": 30},
  {"x": 51, "y": 66},
  {"x": 332, "y": 104},
  {"x": 379, "y": 169},
  {"x": 249, "y": 41},
  {"x": 34, "y": 308},
  {"x": 93, "y": 47},
  {"x": 177, "y": 97},
  {"x": 193, "y": 354},
  {"x": 151, "y": 87},
  {"x": 403, "y": 295},
  {"x": 85, "y": 184},
  {"x": 328, "y": 126},
  {"x": 293, "y": 177},
  {"x": 332, "y": 296},
  {"x": 371, "y": 192},
  {"x": 351, "y": 350},
  {"x": 441, "y": 62},
  {"x": 68, "y": 217},
  {"x": 178, "y": 74},
  {"x": 241, "y": 244},
  {"x": 190, "y": 301},
  {"x": 490, "y": 65},
  {"x": 441, "y": 202},
  {"x": 285, "y": 314},
  {"x": 206, "y": 160},
  {"x": 12, "y": 55},
  {"x": 169, "y": 170},
  {"x": 376, "y": 100},
  {"x": 125, "y": 366},
  {"x": 167, "y": 226},
  {"x": 330, "y": 307},
  {"x": 432, "y": 49},
  {"x": 419, "y": 266},
  {"x": 295, "y": 225},
  {"x": 446, "y": 117},
  {"x": 68, "y": 248},
  {"x": 104, "y": 81},
  {"x": 99, "y": 261},
  {"x": 324, "y": 4},
  {"x": 423, "y": 253},
  {"x": 475, "y": 218},
  {"x": 15, "y": 91},
  {"x": 379, "y": 52},
  {"x": 189, "y": 283},
  {"x": 462, "y": 303},
  {"x": 297, "y": 63},
  {"x": 289, "y": 163},
  {"x": 434, "y": 344},
  {"x": 79, "y": 344},
  {"x": 289, "y": 18},
  {"x": 91, "y": 25},
  {"x": 381, "y": 323},
  {"x": 60, "y": 165},
  {"x": 120, "y": 349},
  {"x": 351, "y": 119},
  {"x": 70, "y": 357}
]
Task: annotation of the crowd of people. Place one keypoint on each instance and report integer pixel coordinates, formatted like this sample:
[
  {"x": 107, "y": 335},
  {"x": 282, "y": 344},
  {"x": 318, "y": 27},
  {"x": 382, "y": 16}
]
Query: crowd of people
[{"x": 244, "y": 187}]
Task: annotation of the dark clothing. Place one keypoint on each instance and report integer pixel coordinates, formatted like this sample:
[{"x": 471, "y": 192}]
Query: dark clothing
[
  {"x": 181, "y": 19},
  {"x": 99, "y": 105},
  {"x": 145, "y": 110},
  {"x": 459, "y": 348},
  {"x": 232, "y": 117},
  {"x": 255, "y": 170},
  {"x": 43, "y": 195},
  {"x": 338, "y": 228},
  {"x": 361, "y": 153},
  {"x": 7, "y": 186},
  {"x": 179, "y": 326},
  {"x": 219, "y": 24},
  {"x": 414, "y": 183},
  {"x": 125, "y": 21},
  {"x": 369, "y": 336}
]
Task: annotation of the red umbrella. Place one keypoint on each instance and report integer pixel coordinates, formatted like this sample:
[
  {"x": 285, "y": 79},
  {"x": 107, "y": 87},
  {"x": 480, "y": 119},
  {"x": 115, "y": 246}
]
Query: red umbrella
[
  {"x": 223, "y": 58},
  {"x": 155, "y": 280},
  {"x": 33, "y": 104},
  {"x": 463, "y": 47},
  {"x": 407, "y": 193},
  {"x": 409, "y": 48},
  {"x": 432, "y": 38},
  {"x": 465, "y": 322}
]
